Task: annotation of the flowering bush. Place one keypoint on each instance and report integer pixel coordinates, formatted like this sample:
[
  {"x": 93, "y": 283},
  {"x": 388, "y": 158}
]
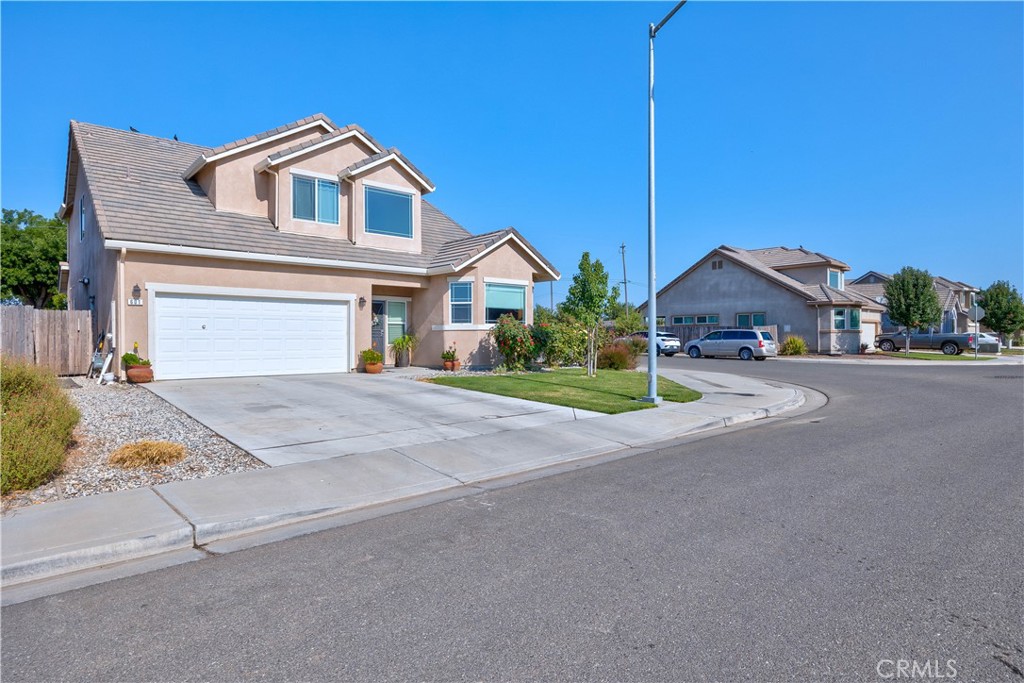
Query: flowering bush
[
  {"x": 371, "y": 355},
  {"x": 514, "y": 342},
  {"x": 450, "y": 354}
]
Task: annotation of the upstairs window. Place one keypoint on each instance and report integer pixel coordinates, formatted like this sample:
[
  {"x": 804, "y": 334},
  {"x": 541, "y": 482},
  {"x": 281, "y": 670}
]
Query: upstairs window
[
  {"x": 81, "y": 218},
  {"x": 314, "y": 199},
  {"x": 460, "y": 295},
  {"x": 502, "y": 299},
  {"x": 388, "y": 212},
  {"x": 835, "y": 279}
]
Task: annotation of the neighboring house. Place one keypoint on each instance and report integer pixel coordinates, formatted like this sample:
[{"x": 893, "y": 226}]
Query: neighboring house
[
  {"x": 288, "y": 251},
  {"x": 954, "y": 297},
  {"x": 801, "y": 292}
]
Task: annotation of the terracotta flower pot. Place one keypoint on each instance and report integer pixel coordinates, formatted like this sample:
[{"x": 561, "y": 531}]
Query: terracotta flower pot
[
  {"x": 449, "y": 365},
  {"x": 456, "y": 365},
  {"x": 374, "y": 368},
  {"x": 140, "y": 374}
]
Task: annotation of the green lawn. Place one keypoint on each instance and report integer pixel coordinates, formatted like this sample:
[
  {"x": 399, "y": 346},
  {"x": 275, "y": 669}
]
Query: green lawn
[
  {"x": 612, "y": 391},
  {"x": 1015, "y": 351},
  {"x": 918, "y": 355}
]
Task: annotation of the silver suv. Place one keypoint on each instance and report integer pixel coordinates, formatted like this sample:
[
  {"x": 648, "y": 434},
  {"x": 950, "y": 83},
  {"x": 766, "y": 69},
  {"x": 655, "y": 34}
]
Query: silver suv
[{"x": 746, "y": 344}]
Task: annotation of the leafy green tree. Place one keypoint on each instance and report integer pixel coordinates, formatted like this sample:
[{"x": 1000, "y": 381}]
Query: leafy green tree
[
  {"x": 629, "y": 321},
  {"x": 588, "y": 301},
  {"x": 33, "y": 248},
  {"x": 912, "y": 300},
  {"x": 1004, "y": 309}
]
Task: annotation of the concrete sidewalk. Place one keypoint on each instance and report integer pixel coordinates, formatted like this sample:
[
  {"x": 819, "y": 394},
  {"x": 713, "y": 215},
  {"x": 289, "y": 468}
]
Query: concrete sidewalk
[{"x": 187, "y": 516}]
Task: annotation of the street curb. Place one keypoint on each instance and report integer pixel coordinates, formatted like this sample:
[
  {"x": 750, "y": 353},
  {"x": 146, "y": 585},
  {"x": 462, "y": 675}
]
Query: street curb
[{"x": 186, "y": 533}]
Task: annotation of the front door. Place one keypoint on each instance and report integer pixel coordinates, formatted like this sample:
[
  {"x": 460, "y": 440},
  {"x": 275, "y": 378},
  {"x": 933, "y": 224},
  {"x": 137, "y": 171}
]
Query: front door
[{"x": 389, "y": 323}]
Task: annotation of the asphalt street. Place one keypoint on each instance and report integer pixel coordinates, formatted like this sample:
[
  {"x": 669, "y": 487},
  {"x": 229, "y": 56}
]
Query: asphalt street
[{"x": 884, "y": 527}]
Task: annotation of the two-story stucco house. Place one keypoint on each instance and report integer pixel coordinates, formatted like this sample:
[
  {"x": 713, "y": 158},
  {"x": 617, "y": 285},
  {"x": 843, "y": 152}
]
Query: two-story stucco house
[
  {"x": 954, "y": 297},
  {"x": 288, "y": 251},
  {"x": 801, "y": 292}
]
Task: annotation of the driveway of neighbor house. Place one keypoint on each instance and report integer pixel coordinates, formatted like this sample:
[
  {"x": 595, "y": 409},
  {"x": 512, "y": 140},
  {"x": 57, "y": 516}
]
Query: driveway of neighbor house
[{"x": 298, "y": 418}]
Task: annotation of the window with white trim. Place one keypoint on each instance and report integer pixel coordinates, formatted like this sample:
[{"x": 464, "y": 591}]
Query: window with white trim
[
  {"x": 387, "y": 212},
  {"x": 835, "y": 279},
  {"x": 460, "y": 296},
  {"x": 501, "y": 299},
  {"x": 750, "y": 319},
  {"x": 314, "y": 199},
  {"x": 81, "y": 218},
  {"x": 838, "y": 318},
  {"x": 703, "y": 319}
]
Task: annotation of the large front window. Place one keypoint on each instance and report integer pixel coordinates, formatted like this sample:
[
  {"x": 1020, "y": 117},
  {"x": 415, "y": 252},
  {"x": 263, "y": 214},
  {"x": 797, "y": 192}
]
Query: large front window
[
  {"x": 461, "y": 297},
  {"x": 388, "y": 212},
  {"x": 846, "y": 318},
  {"x": 502, "y": 299},
  {"x": 314, "y": 199}
]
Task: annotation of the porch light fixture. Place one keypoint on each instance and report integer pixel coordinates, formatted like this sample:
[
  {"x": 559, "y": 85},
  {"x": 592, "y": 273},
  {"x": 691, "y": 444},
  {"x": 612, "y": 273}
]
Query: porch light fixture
[
  {"x": 362, "y": 302},
  {"x": 85, "y": 281},
  {"x": 136, "y": 292}
]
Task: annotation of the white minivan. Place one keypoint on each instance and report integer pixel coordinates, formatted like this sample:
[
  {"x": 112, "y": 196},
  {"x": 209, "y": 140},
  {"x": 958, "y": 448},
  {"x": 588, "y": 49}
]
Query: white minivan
[{"x": 746, "y": 344}]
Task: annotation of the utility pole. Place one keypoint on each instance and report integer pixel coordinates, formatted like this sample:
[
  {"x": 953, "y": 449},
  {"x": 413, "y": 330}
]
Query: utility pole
[{"x": 625, "y": 285}]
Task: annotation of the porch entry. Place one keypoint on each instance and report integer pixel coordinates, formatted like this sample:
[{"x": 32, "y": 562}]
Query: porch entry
[{"x": 390, "y": 318}]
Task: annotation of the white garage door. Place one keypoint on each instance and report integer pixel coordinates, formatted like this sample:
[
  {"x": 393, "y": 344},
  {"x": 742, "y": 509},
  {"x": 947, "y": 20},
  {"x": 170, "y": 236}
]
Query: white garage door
[{"x": 199, "y": 335}]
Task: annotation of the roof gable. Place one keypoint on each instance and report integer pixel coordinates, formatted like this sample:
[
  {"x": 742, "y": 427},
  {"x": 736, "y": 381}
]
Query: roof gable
[
  {"x": 781, "y": 258},
  {"x": 231, "y": 148}
]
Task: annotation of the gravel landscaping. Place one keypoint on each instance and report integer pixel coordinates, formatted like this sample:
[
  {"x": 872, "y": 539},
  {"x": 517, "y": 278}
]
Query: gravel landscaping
[{"x": 118, "y": 414}]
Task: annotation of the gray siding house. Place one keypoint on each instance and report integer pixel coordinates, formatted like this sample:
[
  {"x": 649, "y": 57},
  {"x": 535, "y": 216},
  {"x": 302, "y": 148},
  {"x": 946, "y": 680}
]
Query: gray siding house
[
  {"x": 954, "y": 297},
  {"x": 801, "y": 292}
]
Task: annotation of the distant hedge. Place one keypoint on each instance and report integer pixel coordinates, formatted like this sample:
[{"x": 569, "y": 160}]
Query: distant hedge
[{"x": 36, "y": 422}]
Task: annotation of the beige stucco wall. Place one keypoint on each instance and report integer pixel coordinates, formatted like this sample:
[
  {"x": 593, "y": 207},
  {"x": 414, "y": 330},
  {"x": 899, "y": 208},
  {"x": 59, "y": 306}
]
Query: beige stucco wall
[
  {"x": 88, "y": 258},
  {"x": 143, "y": 268},
  {"x": 233, "y": 184},
  {"x": 810, "y": 275},
  {"x": 428, "y": 296}
]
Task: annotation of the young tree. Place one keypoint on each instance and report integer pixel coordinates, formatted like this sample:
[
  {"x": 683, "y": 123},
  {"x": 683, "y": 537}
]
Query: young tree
[
  {"x": 33, "y": 248},
  {"x": 1004, "y": 309},
  {"x": 588, "y": 301},
  {"x": 912, "y": 300}
]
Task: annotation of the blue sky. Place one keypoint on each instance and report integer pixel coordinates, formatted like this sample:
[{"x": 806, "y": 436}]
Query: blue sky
[{"x": 883, "y": 134}]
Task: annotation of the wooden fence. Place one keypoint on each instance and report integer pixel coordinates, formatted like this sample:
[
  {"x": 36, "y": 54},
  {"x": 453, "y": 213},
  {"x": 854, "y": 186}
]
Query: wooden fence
[{"x": 60, "y": 340}]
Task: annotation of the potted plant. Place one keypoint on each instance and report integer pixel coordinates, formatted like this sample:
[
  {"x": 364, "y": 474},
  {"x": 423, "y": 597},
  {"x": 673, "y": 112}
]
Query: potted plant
[
  {"x": 373, "y": 361},
  {"x": 138, "y": 370},
  {"x": 450, "y": 358},
  {"x": 402, "y": 349}
]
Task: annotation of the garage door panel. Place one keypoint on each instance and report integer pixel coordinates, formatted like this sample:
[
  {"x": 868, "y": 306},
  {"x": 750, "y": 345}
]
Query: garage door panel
[{"x": 223, "y": 336}]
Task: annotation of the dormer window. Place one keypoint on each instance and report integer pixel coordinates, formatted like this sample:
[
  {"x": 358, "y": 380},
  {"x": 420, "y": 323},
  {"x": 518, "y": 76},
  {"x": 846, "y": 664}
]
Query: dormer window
[
  {"x": 835, "y": 279},
  {"x": 388, "y": 212},
  {"x": 314, "y": 199}
]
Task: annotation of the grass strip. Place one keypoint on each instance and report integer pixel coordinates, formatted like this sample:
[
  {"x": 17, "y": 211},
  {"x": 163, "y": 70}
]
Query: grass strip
[{"x": 611, "y": 392}]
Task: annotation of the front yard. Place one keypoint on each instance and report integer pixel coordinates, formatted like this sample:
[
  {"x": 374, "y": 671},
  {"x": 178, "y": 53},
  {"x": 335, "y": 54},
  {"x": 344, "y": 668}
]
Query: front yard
[
  {"x": 933, "y": 355},
  {"x": 612, "y": 391}
]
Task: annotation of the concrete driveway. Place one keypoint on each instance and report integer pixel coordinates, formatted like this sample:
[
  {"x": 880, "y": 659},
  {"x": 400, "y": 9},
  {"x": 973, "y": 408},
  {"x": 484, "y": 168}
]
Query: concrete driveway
[{"x": 297, "y": 418}]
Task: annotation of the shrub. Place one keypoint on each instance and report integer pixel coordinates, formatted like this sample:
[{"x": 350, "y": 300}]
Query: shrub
[
  {"x": 793, "y": 346},
  {"x": 35, "y": 426},
  {"x": 147, "y": 454},
  {"x": 371, "y": 355},
  {"x": 514, "y": 341},
  {"x": 616, "y": 356},
  {"x": 567, "y": 344},
  {"x": 129, "y": 359}
]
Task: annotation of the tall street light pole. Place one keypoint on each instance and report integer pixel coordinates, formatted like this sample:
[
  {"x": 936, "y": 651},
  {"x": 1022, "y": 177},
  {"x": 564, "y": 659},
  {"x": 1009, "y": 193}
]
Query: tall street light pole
[{"x": 652, "y": 292}]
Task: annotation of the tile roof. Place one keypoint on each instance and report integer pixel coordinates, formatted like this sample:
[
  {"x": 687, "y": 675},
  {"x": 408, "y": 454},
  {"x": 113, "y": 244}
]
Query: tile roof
[
  {"x": 362, "y": 163},
  {"x": 139, "y": 194},
  {"x": 458, "y": 252},
  {"x": 784, "y": 257},
  {"x": 327, "y": 137},
  {"x": 824, "y": 294}
]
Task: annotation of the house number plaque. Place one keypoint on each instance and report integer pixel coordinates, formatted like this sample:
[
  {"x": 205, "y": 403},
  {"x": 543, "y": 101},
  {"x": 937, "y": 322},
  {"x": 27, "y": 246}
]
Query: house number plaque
[{"x": 134, "y": 302}]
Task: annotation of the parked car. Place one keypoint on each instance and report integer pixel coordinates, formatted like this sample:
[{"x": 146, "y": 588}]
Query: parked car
[
  {"x": 667, "y": 343},
  {"x": 746, "y": 344},
  {"x": 949, "y": 343}
]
